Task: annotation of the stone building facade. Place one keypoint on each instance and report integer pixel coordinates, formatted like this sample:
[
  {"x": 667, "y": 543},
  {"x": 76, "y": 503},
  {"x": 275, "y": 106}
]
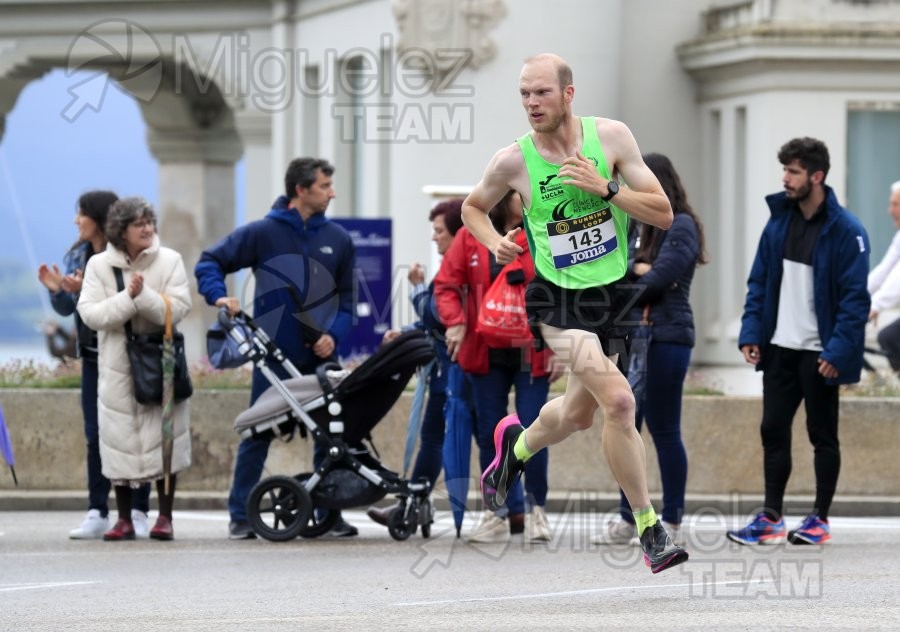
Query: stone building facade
[{"x": 410, "y": 97}]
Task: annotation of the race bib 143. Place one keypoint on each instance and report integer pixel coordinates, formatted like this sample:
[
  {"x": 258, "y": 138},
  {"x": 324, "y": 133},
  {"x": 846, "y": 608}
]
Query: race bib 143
[{"x": 582, "y": 239}]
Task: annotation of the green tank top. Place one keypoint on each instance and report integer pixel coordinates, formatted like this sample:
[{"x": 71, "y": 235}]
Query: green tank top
[{"x": 577, "y": 240}]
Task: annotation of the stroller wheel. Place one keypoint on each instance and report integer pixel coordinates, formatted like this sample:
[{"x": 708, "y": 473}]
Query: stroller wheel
[
  {"x": 398, "y": 526},
  {"x": 279, "y": 507},
  {"x": 321, "y": 525},
  {"x": 321, "y": 520},
  {"x": 426, "y": 517}
]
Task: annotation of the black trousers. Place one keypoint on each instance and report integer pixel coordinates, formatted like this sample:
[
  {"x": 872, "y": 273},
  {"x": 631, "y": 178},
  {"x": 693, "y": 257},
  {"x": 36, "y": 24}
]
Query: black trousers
[{"x": 789, "y": 377}]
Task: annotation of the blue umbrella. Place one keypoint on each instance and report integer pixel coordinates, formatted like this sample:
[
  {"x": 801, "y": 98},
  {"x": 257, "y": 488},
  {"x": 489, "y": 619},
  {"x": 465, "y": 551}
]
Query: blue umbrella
[
  {"x": 415, "y": 413},
  {"x": 6, "y": 447},
  {"x": 457, "y": 443}
]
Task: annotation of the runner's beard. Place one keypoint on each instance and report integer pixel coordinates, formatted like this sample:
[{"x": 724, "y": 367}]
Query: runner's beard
[{"x": 552, "y": 123}]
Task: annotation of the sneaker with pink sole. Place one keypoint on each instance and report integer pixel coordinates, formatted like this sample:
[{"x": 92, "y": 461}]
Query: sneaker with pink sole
[{"x": 505, "y": 469}]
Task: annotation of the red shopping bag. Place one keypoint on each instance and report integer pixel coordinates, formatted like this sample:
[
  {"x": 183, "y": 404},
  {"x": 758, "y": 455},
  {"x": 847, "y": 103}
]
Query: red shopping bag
[{"x": 502, "y": 320}]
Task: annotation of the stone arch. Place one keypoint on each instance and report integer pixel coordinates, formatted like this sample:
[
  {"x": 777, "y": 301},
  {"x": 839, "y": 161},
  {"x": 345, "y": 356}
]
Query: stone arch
[{"x": 192, "y": 133}]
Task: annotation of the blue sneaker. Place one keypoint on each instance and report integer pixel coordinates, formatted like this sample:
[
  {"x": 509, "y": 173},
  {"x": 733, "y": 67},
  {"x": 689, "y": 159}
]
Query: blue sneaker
[
  {"x": 813, "y": 530},
  {"x": 761, "y": 530}
]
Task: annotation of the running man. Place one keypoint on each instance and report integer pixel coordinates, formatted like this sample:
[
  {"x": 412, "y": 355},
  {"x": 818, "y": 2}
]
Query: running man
[{"x": 566, "y": 170}]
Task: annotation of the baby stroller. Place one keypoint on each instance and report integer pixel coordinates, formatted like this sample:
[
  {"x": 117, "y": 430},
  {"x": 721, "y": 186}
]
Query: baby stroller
[{"x": 338, "y": 408}]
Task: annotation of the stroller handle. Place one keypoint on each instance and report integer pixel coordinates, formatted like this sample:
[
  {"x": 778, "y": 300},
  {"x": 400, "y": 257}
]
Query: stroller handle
[
  {"x": 252, "y": 341},
  {"x": 245, "y": 327},
  {"x": 324, "y": 382},
  {"x": 224, "y": 319}
]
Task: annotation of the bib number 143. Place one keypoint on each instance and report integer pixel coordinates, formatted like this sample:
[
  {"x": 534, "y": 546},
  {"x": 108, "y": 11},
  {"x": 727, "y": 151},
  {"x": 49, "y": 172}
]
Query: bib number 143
[{"x": 582, "y": 239}]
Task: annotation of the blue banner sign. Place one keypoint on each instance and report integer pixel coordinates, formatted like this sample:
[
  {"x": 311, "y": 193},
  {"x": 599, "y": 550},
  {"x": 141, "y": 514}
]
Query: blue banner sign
[{"x": 372, "y": 238}]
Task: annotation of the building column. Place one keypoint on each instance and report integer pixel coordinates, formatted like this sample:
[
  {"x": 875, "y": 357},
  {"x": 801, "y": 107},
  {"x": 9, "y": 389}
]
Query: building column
[
  {"x": 9, "y": 92},
  {"x": 196, "y": 206},
  {"x": 255, "y": 131}
]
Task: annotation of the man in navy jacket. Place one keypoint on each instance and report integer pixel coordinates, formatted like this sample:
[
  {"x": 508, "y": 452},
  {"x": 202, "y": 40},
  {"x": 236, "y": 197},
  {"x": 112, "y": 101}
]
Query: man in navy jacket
[
  {"x": 302, "y": 264},
  {"x": 804, "y": 327}
]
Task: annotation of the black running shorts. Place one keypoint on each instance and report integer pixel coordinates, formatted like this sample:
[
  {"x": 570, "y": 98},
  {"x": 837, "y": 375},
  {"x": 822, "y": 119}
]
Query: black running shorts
[{"x": 602, "y": 310}]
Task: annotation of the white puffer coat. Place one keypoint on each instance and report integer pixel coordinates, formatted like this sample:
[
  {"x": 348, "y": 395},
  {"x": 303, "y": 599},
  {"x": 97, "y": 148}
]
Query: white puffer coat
[{"x": 131, "y": 433}]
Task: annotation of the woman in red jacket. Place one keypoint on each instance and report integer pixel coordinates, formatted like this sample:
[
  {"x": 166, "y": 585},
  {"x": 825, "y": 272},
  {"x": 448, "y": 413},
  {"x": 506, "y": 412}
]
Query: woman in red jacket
[{"x": 466, "y": 273}]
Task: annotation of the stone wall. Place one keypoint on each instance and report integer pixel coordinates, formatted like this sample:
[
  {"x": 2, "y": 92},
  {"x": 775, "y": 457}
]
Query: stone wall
[{"x": 721, "y": 435}]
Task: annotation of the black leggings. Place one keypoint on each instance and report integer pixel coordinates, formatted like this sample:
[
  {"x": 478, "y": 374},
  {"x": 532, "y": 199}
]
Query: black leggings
[{"x": 791, "y": 376}]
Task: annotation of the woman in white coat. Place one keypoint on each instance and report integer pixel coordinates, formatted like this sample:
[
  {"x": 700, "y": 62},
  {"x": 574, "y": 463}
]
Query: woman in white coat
[
  {"x": 131, "y": 433},
  {"x": 884, "y": 286}
]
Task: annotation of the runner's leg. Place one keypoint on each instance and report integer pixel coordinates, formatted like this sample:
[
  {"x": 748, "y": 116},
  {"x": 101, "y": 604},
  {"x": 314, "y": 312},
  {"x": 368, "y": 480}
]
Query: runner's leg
[{"x": 594, "y": 381}]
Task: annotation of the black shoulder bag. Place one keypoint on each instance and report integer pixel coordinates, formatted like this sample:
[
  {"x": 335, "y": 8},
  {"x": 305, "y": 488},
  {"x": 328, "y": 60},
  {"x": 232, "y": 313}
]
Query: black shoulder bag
[{"x": 145, "y": 353}]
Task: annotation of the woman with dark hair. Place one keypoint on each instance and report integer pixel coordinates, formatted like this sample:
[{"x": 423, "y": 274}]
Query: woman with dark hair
[
  {"x": 662, "y": 265},
  {"x": 130, "y": 432},
  {"x": 465, "y": 276},
  {"x": 64, "y": 289}
]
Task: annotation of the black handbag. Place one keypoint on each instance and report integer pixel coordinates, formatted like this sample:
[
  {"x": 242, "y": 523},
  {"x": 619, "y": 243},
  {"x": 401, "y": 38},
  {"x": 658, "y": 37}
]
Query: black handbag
[{"x": 145, "y": 354}]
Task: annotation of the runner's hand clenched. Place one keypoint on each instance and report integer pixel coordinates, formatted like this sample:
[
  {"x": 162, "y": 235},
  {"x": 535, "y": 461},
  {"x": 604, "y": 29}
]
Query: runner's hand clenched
[{"x": 507, "y": 249}]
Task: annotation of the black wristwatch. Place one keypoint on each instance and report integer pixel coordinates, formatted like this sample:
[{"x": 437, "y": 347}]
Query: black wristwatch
[{"x": 613, "y": 188}]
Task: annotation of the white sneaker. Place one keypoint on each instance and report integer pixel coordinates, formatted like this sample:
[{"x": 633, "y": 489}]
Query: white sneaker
[
  {"x": 536, "y": 527},
  {"x": 616, "y": 531},
  {"x": 92, "y": 528},
  {"x": 141, "y": 524},
  {"x": 675, "y": 533},
  {"x": 490, "y": 529}
]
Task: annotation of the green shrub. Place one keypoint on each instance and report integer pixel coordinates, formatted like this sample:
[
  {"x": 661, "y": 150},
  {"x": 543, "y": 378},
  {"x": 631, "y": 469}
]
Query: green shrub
[
  {"x": 881, "y": 383},
  {"x": 31, "y": 374},
  {"x": 206, "y": 377}
]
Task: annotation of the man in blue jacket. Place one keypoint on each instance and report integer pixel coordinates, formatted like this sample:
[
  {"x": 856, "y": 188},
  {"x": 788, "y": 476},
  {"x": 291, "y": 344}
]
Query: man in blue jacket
[
  {"x": 804, "y": 327},
  {"x": 302, "y": 264}
]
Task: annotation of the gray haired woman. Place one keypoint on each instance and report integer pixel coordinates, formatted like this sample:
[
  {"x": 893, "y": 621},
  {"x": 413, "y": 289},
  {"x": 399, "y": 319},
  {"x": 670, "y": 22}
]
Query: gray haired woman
[{"x": 130, "y": 432}]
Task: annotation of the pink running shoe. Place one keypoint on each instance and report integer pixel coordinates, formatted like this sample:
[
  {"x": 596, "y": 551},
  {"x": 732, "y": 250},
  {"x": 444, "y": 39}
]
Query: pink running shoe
[{"x": 505, "y": 469}]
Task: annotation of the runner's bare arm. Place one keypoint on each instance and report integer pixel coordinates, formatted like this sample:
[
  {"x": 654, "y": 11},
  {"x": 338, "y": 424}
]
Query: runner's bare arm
[
  {"x": 644, "y": 198},
  {"x": 484, "y": 196}
]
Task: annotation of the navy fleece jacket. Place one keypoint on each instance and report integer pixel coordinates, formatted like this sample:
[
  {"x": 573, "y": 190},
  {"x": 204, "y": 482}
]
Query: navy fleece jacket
[
  {"x": 303, "y": 273},
  {"x": 840, "y": 274}
]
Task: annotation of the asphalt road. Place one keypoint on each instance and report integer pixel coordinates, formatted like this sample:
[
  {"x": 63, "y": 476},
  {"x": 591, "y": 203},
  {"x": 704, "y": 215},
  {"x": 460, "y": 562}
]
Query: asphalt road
[{"x": 202, "y": 581}]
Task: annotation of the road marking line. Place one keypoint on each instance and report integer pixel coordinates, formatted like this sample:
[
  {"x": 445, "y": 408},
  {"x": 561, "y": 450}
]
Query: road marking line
[
  {"x": 573, "y": 593},
  {"x": 16, "y": 587}
]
